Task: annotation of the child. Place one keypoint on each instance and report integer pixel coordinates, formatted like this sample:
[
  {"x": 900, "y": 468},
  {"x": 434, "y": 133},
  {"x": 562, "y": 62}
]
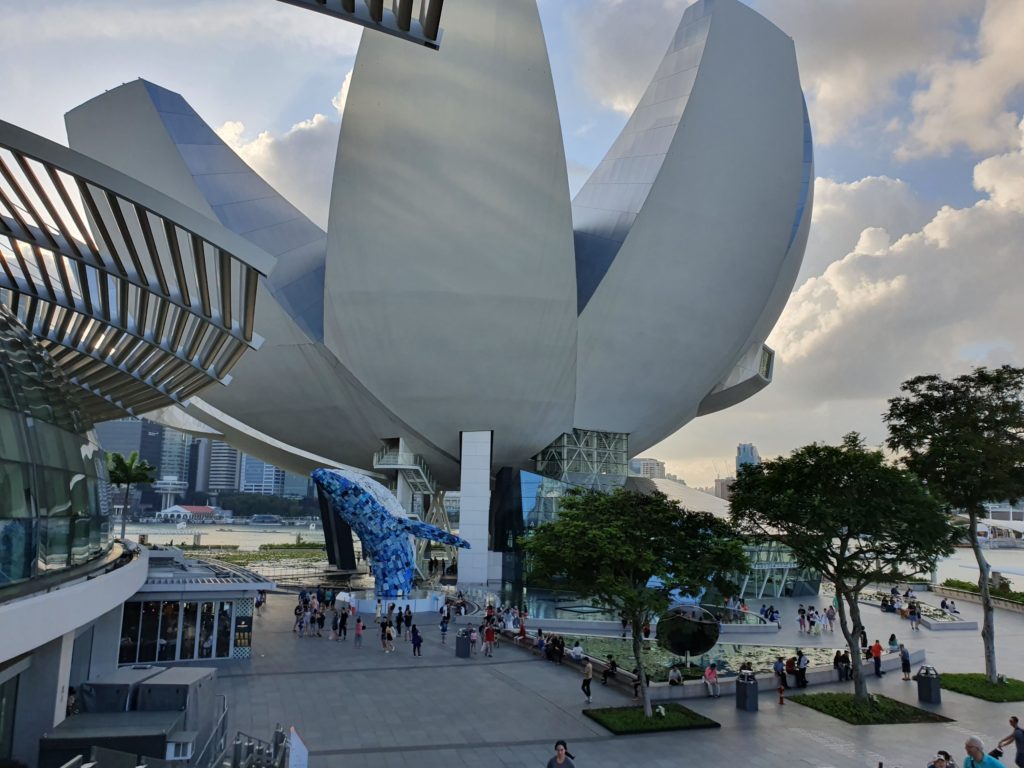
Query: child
[
  {"x": 444, "y": 629},
  {"x": 359, "y": 633}
]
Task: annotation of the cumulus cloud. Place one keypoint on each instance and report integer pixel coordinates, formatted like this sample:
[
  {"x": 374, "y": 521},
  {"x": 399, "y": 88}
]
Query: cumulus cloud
[
  {"x": 299, "y": 163},
  {"x": 966, "y": 99},
  {"x": 852, "y": 53},
  {"x": 938, "y": 298}
]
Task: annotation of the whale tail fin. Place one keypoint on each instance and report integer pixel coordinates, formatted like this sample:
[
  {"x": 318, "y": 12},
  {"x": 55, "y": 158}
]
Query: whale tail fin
[{"x": 423, "y": 530}]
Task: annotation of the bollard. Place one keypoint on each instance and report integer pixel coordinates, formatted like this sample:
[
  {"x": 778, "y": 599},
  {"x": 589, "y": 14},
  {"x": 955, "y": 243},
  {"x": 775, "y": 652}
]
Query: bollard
[{"x": 782, "y": 692}]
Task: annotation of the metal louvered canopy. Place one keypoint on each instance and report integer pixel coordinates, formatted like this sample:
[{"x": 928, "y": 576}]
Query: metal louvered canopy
[
  {"x": 141, "y": 300},
  {"x": 394, "y": 18}
]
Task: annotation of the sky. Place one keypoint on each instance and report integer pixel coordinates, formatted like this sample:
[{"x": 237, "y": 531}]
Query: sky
[{"x": 915, "y": 261}]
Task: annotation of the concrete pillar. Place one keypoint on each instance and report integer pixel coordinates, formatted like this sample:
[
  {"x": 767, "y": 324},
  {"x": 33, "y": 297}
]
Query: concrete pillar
[
  {"x": 403, "y": 492},
  {"x": 106, "y": 642},
  {"x": 474, "y": 517},
  {"x": 42, "y": 696}
]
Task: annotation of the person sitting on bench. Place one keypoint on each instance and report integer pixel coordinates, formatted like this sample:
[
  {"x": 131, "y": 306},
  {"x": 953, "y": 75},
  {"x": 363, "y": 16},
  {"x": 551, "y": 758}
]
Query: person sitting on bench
[{"x": 610, "y": 670}]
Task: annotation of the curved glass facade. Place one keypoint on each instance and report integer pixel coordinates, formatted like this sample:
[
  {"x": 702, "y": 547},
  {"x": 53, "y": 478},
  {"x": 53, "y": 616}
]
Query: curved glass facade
[{"x": 54, "y": 491}]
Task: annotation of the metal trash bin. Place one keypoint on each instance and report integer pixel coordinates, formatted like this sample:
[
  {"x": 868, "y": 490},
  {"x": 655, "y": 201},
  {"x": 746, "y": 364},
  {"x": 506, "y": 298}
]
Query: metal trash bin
[
  {"x": 929, "y": 685},
  {"x": 746, "y": 692},
  {"x": 462, "y": 644}
]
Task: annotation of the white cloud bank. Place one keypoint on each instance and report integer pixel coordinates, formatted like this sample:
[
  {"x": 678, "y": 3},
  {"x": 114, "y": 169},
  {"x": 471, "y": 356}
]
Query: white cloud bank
[
  {"x": 905, "y": 300},
  {"x": 961, "y": 60},
  {"x": 298, "y": 163}
]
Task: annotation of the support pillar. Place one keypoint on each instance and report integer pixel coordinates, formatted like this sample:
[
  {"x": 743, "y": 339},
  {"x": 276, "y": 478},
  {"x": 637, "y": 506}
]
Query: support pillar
[{"x": 475, "y": 506}]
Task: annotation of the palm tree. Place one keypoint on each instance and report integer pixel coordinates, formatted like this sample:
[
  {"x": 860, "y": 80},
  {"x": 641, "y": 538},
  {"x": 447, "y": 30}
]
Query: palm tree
[{"x": 126, "y": 472}]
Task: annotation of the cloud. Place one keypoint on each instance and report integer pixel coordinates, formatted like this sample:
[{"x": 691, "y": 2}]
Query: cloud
[
  {"x": 906, "y": 299},
  {"x": 852, "y": 53},
  {"x": 618, "y": 44},
  {"x": 842, "y": 211},
  {"x": 966, "y": 100},
  {"x": 298, "y": 163}
]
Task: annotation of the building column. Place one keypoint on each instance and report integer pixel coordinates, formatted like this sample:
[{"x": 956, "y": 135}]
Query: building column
[
  {"x": 42, "y": 696},
  {"x": 475, "y": 506}
]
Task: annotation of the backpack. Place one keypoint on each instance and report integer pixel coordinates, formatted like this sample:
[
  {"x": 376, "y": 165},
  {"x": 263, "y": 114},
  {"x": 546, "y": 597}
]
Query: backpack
[{"x": 298, "y": 610}]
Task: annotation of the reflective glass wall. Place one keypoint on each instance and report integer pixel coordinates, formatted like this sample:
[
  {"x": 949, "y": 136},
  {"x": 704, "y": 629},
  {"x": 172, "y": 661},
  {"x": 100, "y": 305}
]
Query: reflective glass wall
[
  {"x": 54, "y": 492},
  {"x": 185, "y": 630}
]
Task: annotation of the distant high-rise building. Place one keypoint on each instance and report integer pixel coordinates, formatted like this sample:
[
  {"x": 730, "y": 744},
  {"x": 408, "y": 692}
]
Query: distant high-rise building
[
  {"x": 723, "y": 487},
  {"x": 224, "y": 468},
  {"x": 296, "y": 486},
  {"x": 260, "y": 477},
  {"x": 647, "y": 467},
  {"x": 746, "y": 453}
]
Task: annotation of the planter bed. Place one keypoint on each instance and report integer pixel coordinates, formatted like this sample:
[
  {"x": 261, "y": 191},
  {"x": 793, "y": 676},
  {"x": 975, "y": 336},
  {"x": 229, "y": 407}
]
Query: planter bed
[
  {"x": 977, "y": 685},
  {"x": 886, "y": 711},
  {"x": 625, "y": 720}
]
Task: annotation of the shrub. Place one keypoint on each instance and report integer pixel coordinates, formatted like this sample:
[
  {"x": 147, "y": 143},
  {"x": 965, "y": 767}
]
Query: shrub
[
  {"x": 977, "y": 685},
  {"x": 623, "y": 720},
  {"x": 881, "y": 711}
]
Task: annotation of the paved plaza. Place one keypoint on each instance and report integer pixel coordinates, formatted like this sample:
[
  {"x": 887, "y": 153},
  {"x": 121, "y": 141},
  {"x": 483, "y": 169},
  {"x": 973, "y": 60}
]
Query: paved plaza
[{"x": 361, "y": 707}]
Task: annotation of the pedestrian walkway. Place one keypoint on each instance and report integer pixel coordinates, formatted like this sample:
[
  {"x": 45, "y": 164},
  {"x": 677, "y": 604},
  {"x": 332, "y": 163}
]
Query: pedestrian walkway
[{"x": 361, "y": 707}]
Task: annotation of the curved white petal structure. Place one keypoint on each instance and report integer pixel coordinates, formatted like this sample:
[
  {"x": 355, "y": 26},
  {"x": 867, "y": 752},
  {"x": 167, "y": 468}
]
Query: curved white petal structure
[
  {"x": 450, "y": 290},
  {"x": 690, "y": 233}
]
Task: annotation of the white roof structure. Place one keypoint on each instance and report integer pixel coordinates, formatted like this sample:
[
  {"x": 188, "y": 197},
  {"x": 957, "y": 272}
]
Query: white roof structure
[{"x": 692, "y": 499}]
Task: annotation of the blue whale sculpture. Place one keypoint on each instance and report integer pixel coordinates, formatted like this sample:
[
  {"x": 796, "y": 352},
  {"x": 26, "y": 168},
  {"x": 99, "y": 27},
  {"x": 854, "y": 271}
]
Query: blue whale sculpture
[{"x": 381, "y": 524}]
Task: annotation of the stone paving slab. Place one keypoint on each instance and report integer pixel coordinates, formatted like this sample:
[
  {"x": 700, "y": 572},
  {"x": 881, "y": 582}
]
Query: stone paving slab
[{"x": 361, "y": 707}]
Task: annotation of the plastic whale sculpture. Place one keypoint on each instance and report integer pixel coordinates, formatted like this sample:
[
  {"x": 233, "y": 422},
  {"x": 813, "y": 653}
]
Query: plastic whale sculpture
[{"x": 382, "y": 525}]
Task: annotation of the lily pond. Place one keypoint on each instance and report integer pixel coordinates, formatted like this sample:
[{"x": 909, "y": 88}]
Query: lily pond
[{"x": 728, "y": 656}]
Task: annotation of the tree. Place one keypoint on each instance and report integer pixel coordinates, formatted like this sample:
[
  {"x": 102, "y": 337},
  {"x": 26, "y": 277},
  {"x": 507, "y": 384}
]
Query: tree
[
  {"x": 128, "y": 472},
  {"x": 844, "y": 512},
  {"x": 609, "y": 545},
  {"x": 965, "y": 439}
]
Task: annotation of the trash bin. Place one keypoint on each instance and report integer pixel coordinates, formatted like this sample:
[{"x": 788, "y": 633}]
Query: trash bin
[
  {"x": 746, "y": 692},
  {"x": 462, "y": 644},
  {"x": 929, "y": 685}
]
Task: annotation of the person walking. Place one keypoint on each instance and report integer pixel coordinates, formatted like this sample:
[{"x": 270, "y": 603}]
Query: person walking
[
  {"x": 711, "y": 680},
  {"x": 399, "y": 620},
  {"x": 588, "y": 677},
  {"x": 905, "y": 661},
  {"x": 390, "y": 636},
  {"x": 408, "y": 622},
  {"x": 1016, "y": 738},
  {"x": 358, "y": 642},
  {"x": 976, "y": 757},
  {"x": 384, "y": 635},
  {"x": 335, "y": 626},
  {"x": 417, "y": 641},
  {"x": 343, "y": 625},
  {"x": 444, "y": 630},
  {"x": 489, "y": 640},
  {"x": 563, "y": 758}
]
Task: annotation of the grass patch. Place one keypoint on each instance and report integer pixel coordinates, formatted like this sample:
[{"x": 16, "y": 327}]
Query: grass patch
[
  {"x": 977, "y": 685},
  {"x": 624, "y": 720},
  {"x": 884, "y": 711}
]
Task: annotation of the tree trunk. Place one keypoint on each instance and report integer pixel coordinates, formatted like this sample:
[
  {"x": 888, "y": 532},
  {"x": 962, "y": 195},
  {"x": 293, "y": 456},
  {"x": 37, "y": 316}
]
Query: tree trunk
[
  {"x": 638, "y": 639},
  {"x": 852, "y": 635},
  {"x": 124, "y": 510},
  {"x": 988, "y": 627}
]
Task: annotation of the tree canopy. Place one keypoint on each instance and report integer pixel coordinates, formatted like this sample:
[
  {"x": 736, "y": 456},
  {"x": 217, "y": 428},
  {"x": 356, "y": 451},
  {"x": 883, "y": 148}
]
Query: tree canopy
[
  {"x": 965, "y": 438},
  {"x": 128, "y": 472},
  {"x": 607, "y": 546},
  {"x": 845, "y": 512}
]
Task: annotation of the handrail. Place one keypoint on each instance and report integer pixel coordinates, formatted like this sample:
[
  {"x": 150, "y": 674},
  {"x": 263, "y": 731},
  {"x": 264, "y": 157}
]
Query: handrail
[
  {"x": 219, "y": 730},
  {"x": 740, "y": 616}
]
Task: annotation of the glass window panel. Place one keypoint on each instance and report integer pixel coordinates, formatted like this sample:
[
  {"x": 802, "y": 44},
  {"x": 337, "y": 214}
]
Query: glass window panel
[
  {"x": 189, "y": 619},
  {"x": 17, "y": 523},
  {"x": 224, "y": 630},
  {"x": 11, "y": 444},
  {"x": 150, "y": 630},
  {"x": 206, "y": 624},
  {"x": 82, "y": 519},
  {"x": 130, "y": 620},
  {"x": 168, "y": 643}
]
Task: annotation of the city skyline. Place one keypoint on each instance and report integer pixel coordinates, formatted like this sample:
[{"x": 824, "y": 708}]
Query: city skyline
[{"x": 918, "y": 150}]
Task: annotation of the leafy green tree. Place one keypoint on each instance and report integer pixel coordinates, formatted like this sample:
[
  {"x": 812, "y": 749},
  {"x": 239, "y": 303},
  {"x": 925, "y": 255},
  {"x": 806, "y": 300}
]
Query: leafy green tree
[
  {"x": 609, "y": 545},
  {"x": 965, "y": 438},
  {"x": 128, "y": 472},
  {"x": 846, "y": 513}
]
